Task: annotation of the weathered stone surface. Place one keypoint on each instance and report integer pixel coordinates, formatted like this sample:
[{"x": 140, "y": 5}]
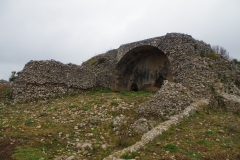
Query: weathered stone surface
[
  {"x": 43, "y": 79},
  {"x": 180, "y": 68},
  {"x": 141, "y": 126},
  {"x": 134, "y": 66},
  {"x": 171, "y": 99},
  {"x": 118, "y": 121},
  {"x": 84, "y": 146},
  {"x": 71, "y": 158}
]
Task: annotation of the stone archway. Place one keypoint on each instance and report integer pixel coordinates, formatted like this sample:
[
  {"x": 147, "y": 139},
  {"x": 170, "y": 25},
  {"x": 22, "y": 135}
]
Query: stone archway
[{"x": 142, "y": 68}]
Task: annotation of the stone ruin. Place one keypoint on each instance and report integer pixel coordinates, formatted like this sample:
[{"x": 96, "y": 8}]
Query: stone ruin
[{"x": 177, "y": 63}]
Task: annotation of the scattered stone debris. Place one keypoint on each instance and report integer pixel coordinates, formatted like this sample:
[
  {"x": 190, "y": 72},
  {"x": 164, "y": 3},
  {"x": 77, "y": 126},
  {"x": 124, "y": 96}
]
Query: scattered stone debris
[
  {"x": 181, "y": 69},
  {"x": 141, "y": 126}
]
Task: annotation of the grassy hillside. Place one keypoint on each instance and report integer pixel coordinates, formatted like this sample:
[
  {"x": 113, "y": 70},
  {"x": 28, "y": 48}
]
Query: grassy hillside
[
  {"x": 54, "y": 128},
  {"x": 208, "y": 134}
]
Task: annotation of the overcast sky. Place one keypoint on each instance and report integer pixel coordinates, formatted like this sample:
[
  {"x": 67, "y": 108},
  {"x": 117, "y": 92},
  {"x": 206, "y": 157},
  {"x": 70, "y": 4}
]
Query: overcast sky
[{"x": 72, "y": 31}]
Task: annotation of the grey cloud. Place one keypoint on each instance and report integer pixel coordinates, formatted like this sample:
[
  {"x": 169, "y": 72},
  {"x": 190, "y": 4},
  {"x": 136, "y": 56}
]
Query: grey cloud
[{"x": 73, "y": 31}]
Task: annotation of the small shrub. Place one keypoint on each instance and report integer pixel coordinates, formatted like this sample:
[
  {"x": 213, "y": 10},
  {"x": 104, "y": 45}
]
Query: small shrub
[
  {"x": 53, "y": 108},
  {"x": 212, "y": 54},
  {"x": 206, "y": 143},
  {"x": 7, "y": 103},
  {"x": 221, "y": 51},
  {"x": 106, "y": 91},
  {"x": 86, "y": 108},
  {"x": 72, "y": 105},
  {"x": 195, "y": 46},
  {"x": 114, "y": 102},
  {"x": 13, "y": 76},
  {"x": 29, "y": 122},
  {"x": 101, "y": 60},
  {"x": 130, "y": 155},
  {"x": 124, "y": 93},
  {"x": 202, "y": 54},
  {"x": 238, "y": 155},
  {"x": 91, "y": 61},
  {"x": 233, "y": 128},
  {"x": 11, "y": 79},
  {"x": 162, "y": 137},
  {"x": 171, "y": 147},
  {"x": 209, "y": 132},
  {"x": 18, "y": 73}
]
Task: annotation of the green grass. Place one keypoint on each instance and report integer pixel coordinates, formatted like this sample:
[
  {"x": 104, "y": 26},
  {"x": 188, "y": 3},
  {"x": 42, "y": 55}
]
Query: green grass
[
  {"x": 73, "y": 105},
  {"x": 207, "y": 134},
  {"x": 30, "y": 122},
  {"x": 29, "y": 153},
  {"x": 91, "y": 61},
  {"x": 130, "y": 155},
  {"x": 114, "y": 102},
  {"x": 204, "y": 142},
  {"x": 86, "y": 108},
  {"x": 5, "y": 94},
  {"x": 53, "y": 108},
  {"x": 211, "y": 55},
  {"x": 171, "y": 148}
]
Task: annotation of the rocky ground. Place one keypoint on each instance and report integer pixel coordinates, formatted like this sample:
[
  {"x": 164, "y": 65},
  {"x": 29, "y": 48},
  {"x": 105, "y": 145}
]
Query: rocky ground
[
  {"x": 88, "y": 125},
  {"x": 95, "y": 124}
]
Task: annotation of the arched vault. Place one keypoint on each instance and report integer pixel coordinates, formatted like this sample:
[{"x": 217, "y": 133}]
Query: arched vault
[{"x": 142, "y": 68}]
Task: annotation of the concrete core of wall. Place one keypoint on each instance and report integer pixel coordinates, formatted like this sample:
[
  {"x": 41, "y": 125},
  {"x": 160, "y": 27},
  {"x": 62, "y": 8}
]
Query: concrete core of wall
[{"x": 142, "y": 68}]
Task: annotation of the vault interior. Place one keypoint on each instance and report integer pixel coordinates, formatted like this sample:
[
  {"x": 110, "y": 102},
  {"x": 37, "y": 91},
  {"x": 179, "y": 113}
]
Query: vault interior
[{"x": 143, "y": 68}]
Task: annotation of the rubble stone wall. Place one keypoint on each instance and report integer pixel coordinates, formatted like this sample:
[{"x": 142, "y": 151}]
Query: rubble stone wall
[
  {"x": 182, "y": 52},
  {"x": 187, "y": 65},
  {"x": 43, "y": 79}
]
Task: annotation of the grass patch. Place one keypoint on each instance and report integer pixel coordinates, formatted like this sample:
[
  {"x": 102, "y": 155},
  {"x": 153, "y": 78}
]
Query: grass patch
[
  {"x": 204, "y": 135},
  {"x": 211, "y": 55},
  {"x": 53, "y": 108},
  {"x": 28, "y": 153},
  {"x": 162, "y": 137},
  {"x": 91, "y": 61},
  {"x": 171, "y": 148},
  {"x": 114, "y": 102},
  {"x": 69, "y": 121},
  {"x": 209, "y": 132},
  {"x": 73, "y": 105},
  {"x": 124, "y": 93},
  {"x": 86, "y": 108},
  {"x": 130, "y": 155},
  {"x": 29, "y": 122},
  {"x": 204, "y": 142}
]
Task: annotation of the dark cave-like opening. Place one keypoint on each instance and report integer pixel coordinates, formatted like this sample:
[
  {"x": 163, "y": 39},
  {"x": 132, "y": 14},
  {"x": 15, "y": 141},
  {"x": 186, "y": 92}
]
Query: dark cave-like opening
[
  {"x": 134, "y": 87},
  {"x": 142, "y": 68},
  {"x": 159, "y": 81}
]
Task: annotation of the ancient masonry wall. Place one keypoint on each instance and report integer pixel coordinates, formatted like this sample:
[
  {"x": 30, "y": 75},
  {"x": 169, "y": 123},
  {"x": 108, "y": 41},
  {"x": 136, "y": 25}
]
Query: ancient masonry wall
[{"x": 44, "y": 79}]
